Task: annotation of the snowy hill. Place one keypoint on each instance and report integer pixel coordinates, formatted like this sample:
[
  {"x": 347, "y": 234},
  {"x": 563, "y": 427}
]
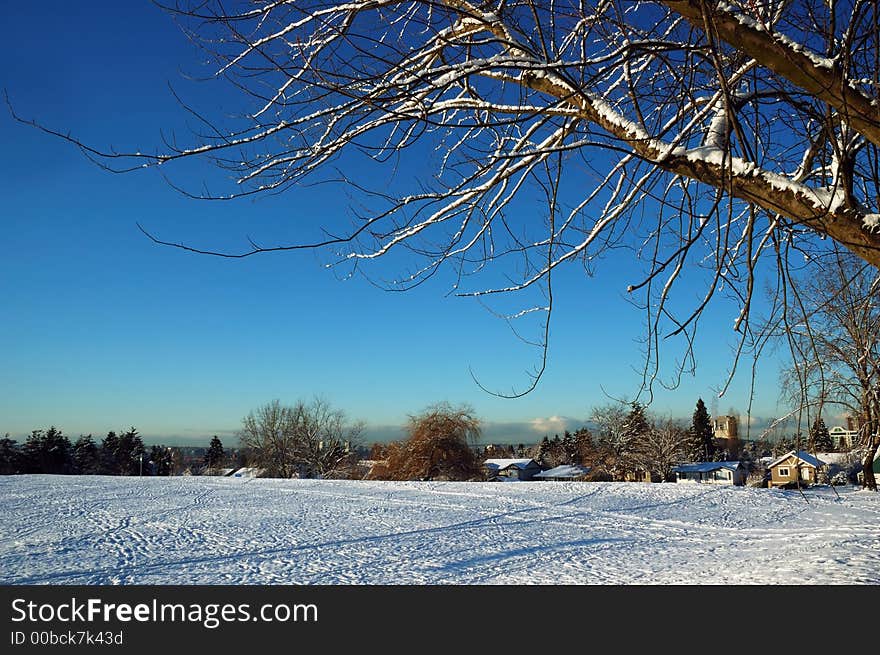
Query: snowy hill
[{"x": 210, "y": 530}]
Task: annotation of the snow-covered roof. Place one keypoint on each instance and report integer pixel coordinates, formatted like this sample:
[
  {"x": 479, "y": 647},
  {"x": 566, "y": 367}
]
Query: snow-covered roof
[
  {"x": 833, "y": 458},
  {"x": 705, "y": 467},
  {"x": 802, "y": 455},
  {"x": 501, "y": 464},
  {"x": 564, "y": 471}
]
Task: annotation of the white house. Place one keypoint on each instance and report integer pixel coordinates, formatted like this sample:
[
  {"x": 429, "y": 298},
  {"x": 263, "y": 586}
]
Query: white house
[
  {"x": 843, "y": 438},
  {"x": 511, "y": 469},
  {"x": 732, "y": 473}
]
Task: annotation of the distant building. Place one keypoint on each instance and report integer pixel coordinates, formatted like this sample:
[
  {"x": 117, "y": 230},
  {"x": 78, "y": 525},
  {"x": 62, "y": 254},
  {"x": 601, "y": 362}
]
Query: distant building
[
  {"x": 726, "y": 427},
  {"x": 511, "y": 469},
  {"x": 843, "y": 438}
]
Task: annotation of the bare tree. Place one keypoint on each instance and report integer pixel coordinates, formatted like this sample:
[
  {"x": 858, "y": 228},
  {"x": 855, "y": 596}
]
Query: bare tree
[
  {"x": 708, "y": 137},
  {"x": 661, "y": 448},
  {"x": 834, "y": 330},
  {"x": 324, "y": 438},
  {"x": 614, "y": 442},
  {"x": 306, "y": 439},
  {"x": 440, "y": 446}
]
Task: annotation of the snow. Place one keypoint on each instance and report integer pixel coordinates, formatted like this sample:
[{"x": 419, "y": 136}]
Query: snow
[
  {"x": 834, "y": 458},
  {"x": 564, "y": 471},
  {"x": 213, "y": 530},
  {"x": 816, "y": 59}
]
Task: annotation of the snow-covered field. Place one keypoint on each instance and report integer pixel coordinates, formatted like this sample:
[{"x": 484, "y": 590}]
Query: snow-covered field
[{"x": 198, "y": 530}]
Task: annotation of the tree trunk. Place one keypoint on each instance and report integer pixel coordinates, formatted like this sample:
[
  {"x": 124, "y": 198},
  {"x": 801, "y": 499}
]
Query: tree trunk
[{"x": 868, "y": 467}]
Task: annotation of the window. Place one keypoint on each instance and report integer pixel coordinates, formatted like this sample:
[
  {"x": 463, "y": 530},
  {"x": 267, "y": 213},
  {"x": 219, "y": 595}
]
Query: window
[{"x": 784, "y": 472}]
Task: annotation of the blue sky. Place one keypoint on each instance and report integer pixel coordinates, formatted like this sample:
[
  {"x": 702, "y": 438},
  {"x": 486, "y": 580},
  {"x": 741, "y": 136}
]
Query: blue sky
[{"x": 101, "y": 329}]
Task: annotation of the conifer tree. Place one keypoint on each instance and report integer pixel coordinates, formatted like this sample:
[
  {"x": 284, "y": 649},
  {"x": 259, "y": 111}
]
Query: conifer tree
[
  {"x": 544, "y": 449},
  {"x": 635, "y": 430},
  {"x": 584, "y": 446},
  {"x": 10, "y": 456},
  {"x": 47, "y": 451},
  {"x": 215, "y": 455},
  {"x": 86, "y": 456},
  {"x": 569, "y": 447},
  {"x": 702, "y": 445},
  {"x": 161, "y": 460},
  {"x": 109, "y": 446},
  {"x": 820, "y": 438},
  {"x": 130, "y": 452}
]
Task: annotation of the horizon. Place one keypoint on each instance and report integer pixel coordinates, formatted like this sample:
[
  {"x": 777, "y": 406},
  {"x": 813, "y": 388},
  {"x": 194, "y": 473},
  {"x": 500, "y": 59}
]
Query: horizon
[{"x": 501, "y": 433}]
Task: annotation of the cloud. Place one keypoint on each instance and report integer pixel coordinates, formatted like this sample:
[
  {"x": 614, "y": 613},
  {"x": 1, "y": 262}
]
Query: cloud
[{"x": 549, "y": 425}]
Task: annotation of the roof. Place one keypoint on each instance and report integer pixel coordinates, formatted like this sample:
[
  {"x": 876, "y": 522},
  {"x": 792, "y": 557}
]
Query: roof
[
  {"x": 705, "y": 467},
  {"x": 564, "y": 471},
  {"x": 501, "y": 464},
  {"x": 833, "y": 458},
  {"x": 802, "y": 455}
]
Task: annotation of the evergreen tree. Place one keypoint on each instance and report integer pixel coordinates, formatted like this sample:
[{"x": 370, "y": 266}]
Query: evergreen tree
[
  {"x": 130, "y": 453},
  {"x": 86, "y": 456},
  {"x": 569, "y": 447},
  {"x": 108, "y": 457},
  {"x": 10, "y": 456},
  {"x": 161, "y": 460},
  {"x": 584, "y": 447},
  {"x": 544, "y": 449},
  {"x": 784, "y": 445},
  {"x": 215, "y": 456},
  {"x": 635, "y": 429},
  {"x": 47, "y": 451},
  {"x": 702, "y": 443},
  {"x": 636, "y": 425},
  {"x": 820, "y": 438}
]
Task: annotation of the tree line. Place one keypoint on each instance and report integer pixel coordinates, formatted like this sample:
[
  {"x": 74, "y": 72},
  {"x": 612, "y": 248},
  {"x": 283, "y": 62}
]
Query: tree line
[
  {"x": 626, "y": 443},
  {"x": 124, "y": 453}
]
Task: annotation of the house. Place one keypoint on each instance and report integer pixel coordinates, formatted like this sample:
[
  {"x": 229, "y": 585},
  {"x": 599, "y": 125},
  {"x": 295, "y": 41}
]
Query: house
[
  {"x": 564, "y": 472},
  {"x": 511, "y": 469},
  {"x": 732, "y": 473},
  {"x": 793, "y": 466},
  {"x": 843, "y": 438}
]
